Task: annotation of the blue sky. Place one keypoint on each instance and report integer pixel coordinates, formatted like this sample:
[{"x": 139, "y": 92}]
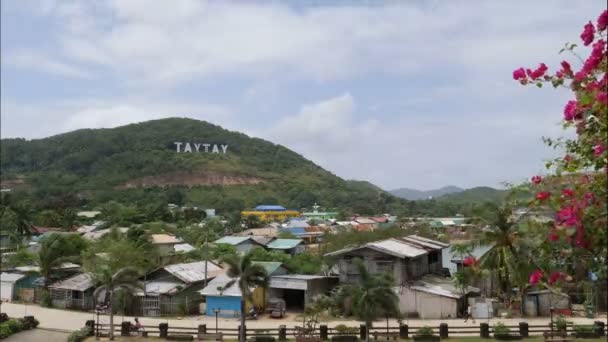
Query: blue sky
[{"x": 402, "y": 93}]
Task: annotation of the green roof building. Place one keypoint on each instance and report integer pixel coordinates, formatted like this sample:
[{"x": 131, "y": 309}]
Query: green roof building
[{"x": 320, "y": 215}]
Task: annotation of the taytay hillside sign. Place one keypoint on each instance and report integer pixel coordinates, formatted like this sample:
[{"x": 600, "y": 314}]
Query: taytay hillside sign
[{"x": 186, "y": 147}]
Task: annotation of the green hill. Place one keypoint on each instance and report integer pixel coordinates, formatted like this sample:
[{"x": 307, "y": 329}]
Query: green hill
[
  {"x": 138, "y": 163},
  {"x": 475, "y": 195}
]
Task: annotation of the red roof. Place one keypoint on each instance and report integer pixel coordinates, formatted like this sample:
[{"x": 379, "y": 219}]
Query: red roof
[{"x": 42, "y": 230}]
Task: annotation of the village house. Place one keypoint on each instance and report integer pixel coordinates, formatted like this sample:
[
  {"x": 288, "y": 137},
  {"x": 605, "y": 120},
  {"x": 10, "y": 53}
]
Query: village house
[
  {"x": 289, "y": 246},
  {"x": 416, "y": 266},
  {"x": 173, "y": 289},
  {"x": 75, "y": 292},
  {"x": 243, "y": 244},
  {"x": 165, "y": 243},
  {"x": 17, "y": 286}
]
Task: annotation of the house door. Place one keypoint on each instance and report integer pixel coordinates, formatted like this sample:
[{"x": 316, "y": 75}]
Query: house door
[
  {"x": 6, "y": 292},
  {"x": 151, "y": 306}
]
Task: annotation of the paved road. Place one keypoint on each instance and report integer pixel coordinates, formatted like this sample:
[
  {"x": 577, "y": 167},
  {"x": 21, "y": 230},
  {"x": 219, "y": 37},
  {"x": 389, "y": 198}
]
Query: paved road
[
  {"x": 72, "y": 320},
  {"x": 37, "y": 335}
]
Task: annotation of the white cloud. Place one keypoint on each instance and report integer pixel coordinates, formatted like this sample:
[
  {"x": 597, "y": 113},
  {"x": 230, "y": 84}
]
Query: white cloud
[
  {"x": 59, "y": 117},
  {"x": 173, "y": 41},
  {"x": 34, "y": 60}
]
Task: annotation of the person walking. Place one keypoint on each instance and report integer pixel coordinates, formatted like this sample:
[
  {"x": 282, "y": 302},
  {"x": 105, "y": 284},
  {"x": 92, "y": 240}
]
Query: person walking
[{"x": 469, "y": 314}]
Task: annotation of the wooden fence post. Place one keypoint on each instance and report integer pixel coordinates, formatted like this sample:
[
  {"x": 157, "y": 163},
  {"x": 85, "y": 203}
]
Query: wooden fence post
[
  {"x": 362, "y": 331},
  {"x": 164, "y": 330},
  {"x": 244, "y": 328},
  {"x": 523, "y": 329},
  {"x": 443, "y": 330},
  {"x": 600, "y": 328},
  {"x": 403, "y": 331},
  {"x": 125, "y": 328},
  {"x": 282, "y": 333},
  {"x": 91, "y": 325},
  {"x": 323, "y": 332},
  {"x": 484, "y": 330}
]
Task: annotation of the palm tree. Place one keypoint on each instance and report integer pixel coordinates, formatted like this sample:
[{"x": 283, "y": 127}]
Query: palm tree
[
  {"x": 55, "y": 250},
  {"x": 109, "y": 282},
  {"x": 23, "y": 218},
  {"x": 248, "y": 276},
  {"x": 372, "y": 297},
  {"x": 511, "y": 255}
]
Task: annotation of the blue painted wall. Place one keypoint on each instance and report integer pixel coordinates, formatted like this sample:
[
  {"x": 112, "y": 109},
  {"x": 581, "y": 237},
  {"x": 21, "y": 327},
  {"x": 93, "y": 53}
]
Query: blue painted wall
[{"x": 229, "y": 306}]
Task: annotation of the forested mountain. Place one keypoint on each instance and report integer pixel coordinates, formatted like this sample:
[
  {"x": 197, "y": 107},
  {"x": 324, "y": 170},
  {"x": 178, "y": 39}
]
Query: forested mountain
[
  {"x": 140, "y": 163},
  {"x": 475, "y": 195},
  {"x": 413, "y": 194}
]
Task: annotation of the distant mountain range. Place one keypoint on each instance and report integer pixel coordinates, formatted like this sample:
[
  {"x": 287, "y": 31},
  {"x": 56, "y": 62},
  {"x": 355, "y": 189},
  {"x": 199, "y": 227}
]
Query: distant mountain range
[
  {"x": 453, "y": 194},
  {"x": 414, "y": 195}
]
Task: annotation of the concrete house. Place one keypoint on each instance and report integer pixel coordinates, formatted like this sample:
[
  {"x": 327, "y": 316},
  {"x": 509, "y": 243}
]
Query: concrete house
[
  {"x": 224, "y": 296},
  {"x": 416, "y": 265},
  {"x": 173, "y": 289},
  {"x": 17, "y": 286},
  {"x": 243, "y": 244},
  {"x": 165, "y": 243}
]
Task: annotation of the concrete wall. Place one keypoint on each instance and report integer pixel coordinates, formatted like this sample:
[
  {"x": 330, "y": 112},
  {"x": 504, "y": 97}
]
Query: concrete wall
[
  {"x": 372, "y": 259},
  {"x": 426, "y": 305},
  {"x": 229, "y": 306}
]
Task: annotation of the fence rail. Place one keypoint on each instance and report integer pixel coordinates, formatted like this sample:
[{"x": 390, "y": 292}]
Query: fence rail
[{"x": 325, "y": 333}]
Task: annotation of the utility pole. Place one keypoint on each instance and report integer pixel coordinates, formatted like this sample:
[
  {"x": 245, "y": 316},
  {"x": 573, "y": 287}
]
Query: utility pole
[{"x": 206, "y": 254}]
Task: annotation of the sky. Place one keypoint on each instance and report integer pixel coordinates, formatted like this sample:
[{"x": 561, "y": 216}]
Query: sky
[{"x": 414, "y": 94}]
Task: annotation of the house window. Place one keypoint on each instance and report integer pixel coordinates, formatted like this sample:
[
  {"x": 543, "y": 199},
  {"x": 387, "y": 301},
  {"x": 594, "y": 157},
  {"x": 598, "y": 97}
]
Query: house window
[{"x": 384, "y": 267}]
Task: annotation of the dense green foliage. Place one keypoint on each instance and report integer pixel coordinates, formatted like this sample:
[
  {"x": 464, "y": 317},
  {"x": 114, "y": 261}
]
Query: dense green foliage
[
  {"x": 13, "y": 326},
  {"x": 92, "y": 167}
]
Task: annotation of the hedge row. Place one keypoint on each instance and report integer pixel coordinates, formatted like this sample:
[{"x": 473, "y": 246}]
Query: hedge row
[{"x": 15, "y": 325}]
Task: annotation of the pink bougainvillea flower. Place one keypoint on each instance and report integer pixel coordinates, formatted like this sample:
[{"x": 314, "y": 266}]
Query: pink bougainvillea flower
[
  {"x": 595, "y": 58},
  {"x": 567, "y": 216},
  {"x": 602, "y": 21},
  {"x": 570, "y": 110},
  {"x": 602, "y": 97},
  {"x": 598, "y": 149},
  {"x": 566, "y": 68},
  {"x": 535, "y": 277},
  {"x": 555, "y": 277},
  {"x": 468, "y": 261},
  {"x": 553, "y": 236},
  {"x": 567, "y": 192},
  {"x": 538, "y": 72},
  {"x": 588, "y": 33},
  {"x": 536, "y": 179},
  {"x": 519, "y": 74},
  {"x": 543, "y": 195},
  {"x": 580, "y": 76}
]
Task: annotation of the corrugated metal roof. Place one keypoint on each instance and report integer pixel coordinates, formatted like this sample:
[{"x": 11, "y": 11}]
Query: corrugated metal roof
[
  {"x": 232, "y": 240},
  {"x": 269, "y": 266},
  {"x": 284, "y": 243},
  {"x": 194, "y": 271},
  {"x": 270, "y": 208},
  {"x": 160, "y": 239},
  {"x": 29, "y": 268},
  {"x": 183, "y": 247},
  {"x": 214, "y": 286},
  {"x": 440, "y": 286},
  {"x": 10, "y": 277},
  {"x": 269, "y": 232},
  {"x": 262, "y": 240},
  {"x": 300, "y": 276},
  {"x": 409, "y": 246},
  {"x": 297, "y": 224},
  {"x": 158, "y": 287},
  {"x": 79, "y": 282},
  {"x": 398, "y": 248},
  {"x": 424, "y": 243},
  {"x": 95, "y": 235}
]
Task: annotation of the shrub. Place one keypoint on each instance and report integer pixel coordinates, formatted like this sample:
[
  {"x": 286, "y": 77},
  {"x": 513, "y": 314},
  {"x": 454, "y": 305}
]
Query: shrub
[
  {"x": 79, "y": 335},
  {"x": 501, "y": 329},
  {"x": 425, "y": 331},
  {"x": 345, "y": 330},
  {"x": 584, "y": 329},
  {"x": 5, "y": 331},
  {"x": 561, "y": 324},
  {"x": 45, "y": 299},
  {"x": 14, "y": 325}
]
